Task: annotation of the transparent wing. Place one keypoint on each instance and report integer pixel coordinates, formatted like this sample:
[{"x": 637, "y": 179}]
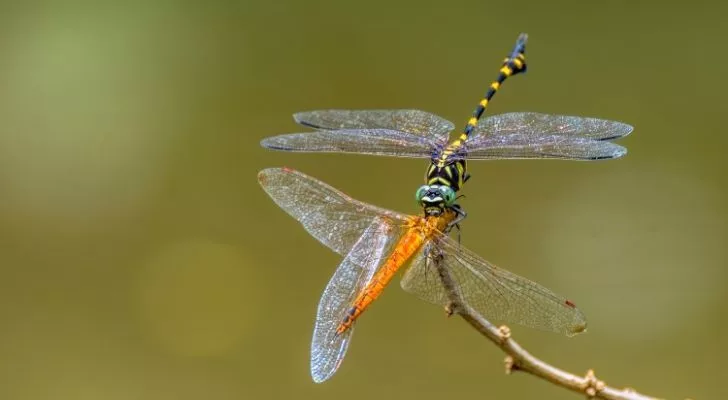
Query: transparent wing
[
  {"x": 333, "y": 218},
  {"x": 416, "y": 122},
  {"x": 403, "y": 133},
  {"x": 495, "y": 293},
  {"x": 537, "y": 124},
  {"x": 534, "y": 135},
  {"x": 421, "y": 278},
  {"x": 519, "y": 145},
  {"x": 381, "y": 142},
  {"x": 353, "y": 274}
]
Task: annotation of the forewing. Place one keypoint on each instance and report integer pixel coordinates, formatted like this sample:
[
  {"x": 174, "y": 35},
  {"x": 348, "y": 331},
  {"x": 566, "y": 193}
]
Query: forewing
[
  {"x": 535, "y": 135},
  {"x": 522, "y": 146},
  {"x": 333, "y": 218},
  {"x": 495, "y": 293},
  {"x": 402, "y": 133},
  {"x": 385, "y": 142},
  {"x": 353, "y": 274},
  {"x": 416, "y": 122}
]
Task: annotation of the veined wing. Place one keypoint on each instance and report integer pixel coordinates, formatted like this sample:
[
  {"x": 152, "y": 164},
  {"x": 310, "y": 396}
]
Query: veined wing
[
  {"x": 493, "y": 292},
  {"x": 381, "y": 142},
  {"x": 416, "y": 122},
  {"x": 402, "y": 133},
  {"x": 538, "y": 124},
  {"x": 353, "y": 274},
  {"x": 534, "y": 135},
  {"x": 333, "y": 218}
]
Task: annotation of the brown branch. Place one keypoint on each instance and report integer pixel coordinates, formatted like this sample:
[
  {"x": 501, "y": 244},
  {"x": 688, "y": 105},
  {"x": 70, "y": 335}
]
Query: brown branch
[{"x": 518, "y": 359}]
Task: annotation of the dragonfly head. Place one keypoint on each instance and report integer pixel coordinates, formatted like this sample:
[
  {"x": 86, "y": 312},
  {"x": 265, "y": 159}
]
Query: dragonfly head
[{"x": 435, "y": 198}]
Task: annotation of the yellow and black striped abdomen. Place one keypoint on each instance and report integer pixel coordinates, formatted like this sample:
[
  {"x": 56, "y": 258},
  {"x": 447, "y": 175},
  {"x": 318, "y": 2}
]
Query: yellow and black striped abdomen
[{"x": 514, "y": 64}]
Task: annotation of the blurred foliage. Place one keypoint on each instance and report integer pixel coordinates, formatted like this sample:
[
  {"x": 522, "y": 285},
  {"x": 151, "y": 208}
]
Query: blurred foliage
[{"x": 139, "y": 259}]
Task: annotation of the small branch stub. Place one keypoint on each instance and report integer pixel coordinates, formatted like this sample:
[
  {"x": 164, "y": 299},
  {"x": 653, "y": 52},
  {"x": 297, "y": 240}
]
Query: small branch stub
[
  {"x": 505, "y": 333},
  {"x": 510, "y": 365},
  {"x": 592, "y": 385}
]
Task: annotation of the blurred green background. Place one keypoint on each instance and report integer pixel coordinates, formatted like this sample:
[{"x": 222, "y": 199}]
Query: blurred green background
[{"x": 139, "y": 259}]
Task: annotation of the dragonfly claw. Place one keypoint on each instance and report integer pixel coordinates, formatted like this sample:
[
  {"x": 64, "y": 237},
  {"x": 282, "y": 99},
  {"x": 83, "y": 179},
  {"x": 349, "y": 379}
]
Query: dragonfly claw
[{"x": 455, "y": 223}]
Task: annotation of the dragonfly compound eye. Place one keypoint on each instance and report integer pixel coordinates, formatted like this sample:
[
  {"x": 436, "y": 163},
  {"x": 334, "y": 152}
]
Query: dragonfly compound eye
[
  {"x": 448, "y": 195},
  {"x": 435, "y": 196},
  {"x": 421, "y": 193}
]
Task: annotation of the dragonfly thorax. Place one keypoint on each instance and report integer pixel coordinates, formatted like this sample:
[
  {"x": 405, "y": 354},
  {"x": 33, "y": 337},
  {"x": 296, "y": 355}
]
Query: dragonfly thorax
[
  {"x": 447, "y": 172},
  {"x": 435, "y": 198}
]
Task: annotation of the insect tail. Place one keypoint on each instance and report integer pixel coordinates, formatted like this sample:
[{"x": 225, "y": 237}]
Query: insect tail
[{"x": 514, "y": 64}]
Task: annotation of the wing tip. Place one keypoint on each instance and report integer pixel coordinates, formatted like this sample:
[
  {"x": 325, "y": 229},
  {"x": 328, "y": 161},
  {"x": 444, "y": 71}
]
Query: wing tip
[
  {"x": 298, "y": 116},
  {"x": 326, "y": 359},
  {"x": 625, "y": 129},
  {"x": 317, "y": 377},
  {"x": 266, "y": 173},
  {"x": 578, "y": 327},
  {"x": 263, "y": 176},
  {"x": 619, "y": 152},
  {"x": 322, "y": 373},
  {"x": 578, "y": 324},
  {"x": 615, "y": 151},
  {"x": 272, "y": 143},
  {"x": 615, "y": 130},
  {"x": 268, "y": 142},
  {"x": 302, "y": 118}
]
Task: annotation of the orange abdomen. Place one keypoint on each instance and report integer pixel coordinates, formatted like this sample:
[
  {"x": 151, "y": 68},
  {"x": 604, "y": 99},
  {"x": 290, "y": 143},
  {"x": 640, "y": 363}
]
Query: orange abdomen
[{"x": 406, "y": 246}]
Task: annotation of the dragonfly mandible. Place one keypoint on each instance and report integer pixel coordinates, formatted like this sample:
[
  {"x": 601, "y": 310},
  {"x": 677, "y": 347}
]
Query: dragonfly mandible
[
  {"x": 376, "y": 242},
  {"x": 415, "y": 133}
]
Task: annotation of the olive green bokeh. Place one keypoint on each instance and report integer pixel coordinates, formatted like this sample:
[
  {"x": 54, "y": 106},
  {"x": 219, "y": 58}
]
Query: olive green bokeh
[{"x": 139, "y": 259}]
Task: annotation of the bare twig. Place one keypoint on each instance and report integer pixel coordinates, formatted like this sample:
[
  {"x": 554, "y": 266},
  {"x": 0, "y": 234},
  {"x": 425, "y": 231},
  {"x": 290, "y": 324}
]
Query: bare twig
[{"x": 518, "y": 359}]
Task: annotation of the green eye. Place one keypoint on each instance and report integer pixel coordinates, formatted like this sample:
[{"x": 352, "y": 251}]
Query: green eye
[
  {"x": 447, "y": 194},
  {"x": 421, "y": 193}
]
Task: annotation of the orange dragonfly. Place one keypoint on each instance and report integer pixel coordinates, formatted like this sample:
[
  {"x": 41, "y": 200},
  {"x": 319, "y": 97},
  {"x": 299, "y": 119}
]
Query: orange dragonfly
[{"x": 376, "y": 242}]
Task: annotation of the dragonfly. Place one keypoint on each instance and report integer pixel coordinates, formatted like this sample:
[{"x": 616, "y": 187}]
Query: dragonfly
[
  {"x": 375, "y": 243},
  {"x": 419, "y": 134}
]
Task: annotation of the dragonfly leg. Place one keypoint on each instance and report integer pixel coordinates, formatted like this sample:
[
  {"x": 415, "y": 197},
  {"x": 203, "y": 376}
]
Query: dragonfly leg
[{"x": 456, "y": 222}]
